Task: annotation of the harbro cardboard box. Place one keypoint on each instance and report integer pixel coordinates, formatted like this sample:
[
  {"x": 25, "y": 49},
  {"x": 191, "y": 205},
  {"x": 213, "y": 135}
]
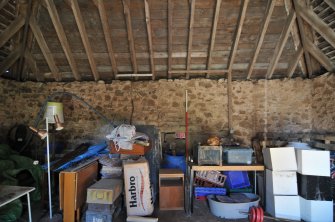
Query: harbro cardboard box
[{"x": 137, "y": 188}]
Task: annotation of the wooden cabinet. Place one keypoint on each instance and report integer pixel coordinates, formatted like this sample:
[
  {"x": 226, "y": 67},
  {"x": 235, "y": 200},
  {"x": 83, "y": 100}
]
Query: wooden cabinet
[{"x": 171, "y": 189}]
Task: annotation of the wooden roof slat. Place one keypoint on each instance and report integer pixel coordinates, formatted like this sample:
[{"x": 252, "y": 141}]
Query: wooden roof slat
[
  {"x": 190, "y": 38},
  {"x": 15, "y": 26},
  {"x": 3, "y": 3},
  {"x": 130, "y": 35},
  {"x": 318, "y": 25},
  {"x": 33, "y": 66},
  {"x": 294, "y": 62},
  {"x": 62, "y": 37},
  {"x": 83, "y": 34},
  {"x": 320, "y": 56},
  {"x": 44, "y": 48},
  {"x": 10, "y": 60},
  {"x": 147, "y": 19},
  {"x": 107, "y": 34},
  {"x": 213, "y": 34},
  {"x": 281, "y": 43},
  {"x": 170, "y": 13},
  {"x": 238, "y": 32},
  {"x": 265, "y": 24},
  {"x": 331, "y": 3}
]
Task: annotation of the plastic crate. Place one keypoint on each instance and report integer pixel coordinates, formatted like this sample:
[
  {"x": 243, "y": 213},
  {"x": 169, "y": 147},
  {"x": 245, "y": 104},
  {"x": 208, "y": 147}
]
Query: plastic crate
[
  {"x": 237, "y": 179},
  {"x": 215, "y": 177},
  {"x": 241, "y": 190},
  {"x": 201, "y": 192}
]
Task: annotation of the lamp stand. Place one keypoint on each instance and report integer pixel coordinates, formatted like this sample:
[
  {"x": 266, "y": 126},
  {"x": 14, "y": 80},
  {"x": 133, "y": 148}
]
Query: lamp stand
[{"x": 48, "y": 162}]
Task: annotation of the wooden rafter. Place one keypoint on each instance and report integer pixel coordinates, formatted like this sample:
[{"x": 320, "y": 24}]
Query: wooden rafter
[
  {"x": 331, "y": 3},
  {"x": 318, "y": 25},
  {"x": 170, "y": 13},
  {"x": 10, "y": 60},
  {"x": 44, "y": 48},
  {"x": 151, "y": 51},
  {"x": 3, "y": 3},
  {"x": 212, "y": 71},
  {"x": 83, "y": 34},
  {"x": 190, "y": 38},
  {"x": 32, "y": 65},
  {"x": 266, "y": 21},
  {"x": 213, "y": 34},
  {"x": 62, "y": 37},
  {"x": 238, "y": 32},
  {"x": 107, "y": 33},
  {"x": 15, "y": 26},
  {"x": 320, "y": 56},
  {"x": 130, "y": 34},
  {"x": 294, "y": 62},
  {"x": 281, "y": 43}
]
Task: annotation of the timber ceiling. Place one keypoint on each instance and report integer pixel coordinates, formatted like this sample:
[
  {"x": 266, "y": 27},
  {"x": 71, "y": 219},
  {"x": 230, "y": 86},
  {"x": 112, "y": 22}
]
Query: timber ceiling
[{"x": 91, "y": 40}]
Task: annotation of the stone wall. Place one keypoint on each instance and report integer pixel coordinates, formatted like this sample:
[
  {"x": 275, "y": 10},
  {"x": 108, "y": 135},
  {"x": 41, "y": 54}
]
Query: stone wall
[{"x": 258, "y": 106}]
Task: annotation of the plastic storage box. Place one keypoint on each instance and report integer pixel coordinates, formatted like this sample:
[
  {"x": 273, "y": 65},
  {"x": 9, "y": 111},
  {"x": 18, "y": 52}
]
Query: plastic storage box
[
  {"x": 204, "y": 191},
  {"x": 237, "y": 155},
  {"x": 237, "y": 179},
  {"x": 210, "y": 155}
]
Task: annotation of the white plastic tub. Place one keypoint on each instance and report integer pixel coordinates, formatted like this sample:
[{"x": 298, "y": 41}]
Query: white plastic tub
[{"x": 232, "y": 210}]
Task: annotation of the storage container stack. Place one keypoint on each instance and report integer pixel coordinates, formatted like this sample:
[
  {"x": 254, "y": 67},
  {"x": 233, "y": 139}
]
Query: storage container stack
[
  {"x": 282, "y": 198},
  {"x": 314, "y": 185},
  {"x": 104, "y": 200}
]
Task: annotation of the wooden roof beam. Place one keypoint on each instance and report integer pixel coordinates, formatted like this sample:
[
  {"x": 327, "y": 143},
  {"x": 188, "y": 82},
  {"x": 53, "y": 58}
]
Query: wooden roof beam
[
  {"x": 151, "y": 51},
  {"x": 83, "y": 34},
  {"x": 62, "y": 37},
  {"x": 33, "y": 66},
  {"x": 190, "y": 38},
  {"x": 107, "y": 34},
  {"x": 10, "y": 60},
  {"x": 3, "y": 3},
  {"x": 130, "y": 34},
  {"x": 265, "y": 24},
  {"x": 281, "y": 43},
  {"x": 44, "y": 48},
  {"x": 317, "y": 24},
  {"x": 213, "y": 34},
  {"x": 13, "y": 28},
  {"x": 331, "y": 3},
  {"x": 320, "y": 56},
  {"x": 294, "y": 62},
  {"x": 238, "y": 32},
  {"x": 170, "y": 13}
]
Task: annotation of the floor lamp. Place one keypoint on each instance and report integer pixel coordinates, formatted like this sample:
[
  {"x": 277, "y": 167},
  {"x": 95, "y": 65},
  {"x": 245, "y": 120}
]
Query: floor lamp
[{"x": 45, "y": 134}]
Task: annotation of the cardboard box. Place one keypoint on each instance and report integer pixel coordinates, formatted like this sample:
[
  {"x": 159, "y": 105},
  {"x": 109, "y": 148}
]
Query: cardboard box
[
  {"x": 281, "y": 182},
  {"x": 137, "y": 188},
  {"x": 105, "y": 191},
  {"x": 280, "y": 159},
  {"x": 286, "y": 207},
  {"x": 314, "y": 187},
  {"x": 316, "y": 211},
  {"x": 137, "y": 149},
  {"x": 313, "y": 162}
]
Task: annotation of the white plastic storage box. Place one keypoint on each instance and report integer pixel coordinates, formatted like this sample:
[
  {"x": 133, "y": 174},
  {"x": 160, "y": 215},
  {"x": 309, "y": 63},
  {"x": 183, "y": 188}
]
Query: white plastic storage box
[
  {"x": 237, "y": 155},
  {"x": 137, "y": 188},
  {"x": 286, "y": 207},
  {"x": 280, "y": 159},
  {"x": 313, "y": 162},
  {"x": 281, "y": 182},
  {"x": 316, "y": 210}
]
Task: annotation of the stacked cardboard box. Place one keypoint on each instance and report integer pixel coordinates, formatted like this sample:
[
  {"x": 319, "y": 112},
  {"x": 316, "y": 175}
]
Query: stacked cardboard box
[
  {"x": 314, "y": 185},
  {"x": 281, "y": 198}
]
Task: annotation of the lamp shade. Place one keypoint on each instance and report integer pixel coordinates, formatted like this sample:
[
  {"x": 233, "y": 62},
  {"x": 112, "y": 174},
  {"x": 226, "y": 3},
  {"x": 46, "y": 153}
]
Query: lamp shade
[{"x": 54, "y": 108}]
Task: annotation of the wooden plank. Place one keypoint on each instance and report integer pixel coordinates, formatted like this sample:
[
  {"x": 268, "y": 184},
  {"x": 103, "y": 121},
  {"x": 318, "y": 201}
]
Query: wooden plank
[
  {"x": 323, "y": 145},
  {"x": 15, "y": 26},
  {"x": 229, "y": 168},
  {"x": 317, "y": 24},
  {"x": 323, "y": 137},
  {"x": 212, "y": 71},
  {"x": 108, "y": 35},
  {"x": 319, "y": 55},
  {"x": 281, "y": 43},
  {"x": 190, "y": 38},
  {"x": 331, "y": 3},
  {"x": 130, "y": 34},
  {"x": 33, "y": 66},
  {"x": 9, "y": 60},
  {"x": 3, "y": 3},
  {"x": 83, "y": 34},
  {"x": 294, "y": 62},
  {"x": 151, "y": 51},
  {"x": 238, "y": 31},
  {"x": 44, "y": 48},
  {"x": 213, "y": 34},
  {"x": 62, "y": 37},
  {"x": 261, "y": 36},
  {"x": 170, "y": 19}
]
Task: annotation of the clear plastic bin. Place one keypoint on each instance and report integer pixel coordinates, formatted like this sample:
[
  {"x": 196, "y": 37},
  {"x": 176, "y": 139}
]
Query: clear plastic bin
[{"x": 237, "y": 155}]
